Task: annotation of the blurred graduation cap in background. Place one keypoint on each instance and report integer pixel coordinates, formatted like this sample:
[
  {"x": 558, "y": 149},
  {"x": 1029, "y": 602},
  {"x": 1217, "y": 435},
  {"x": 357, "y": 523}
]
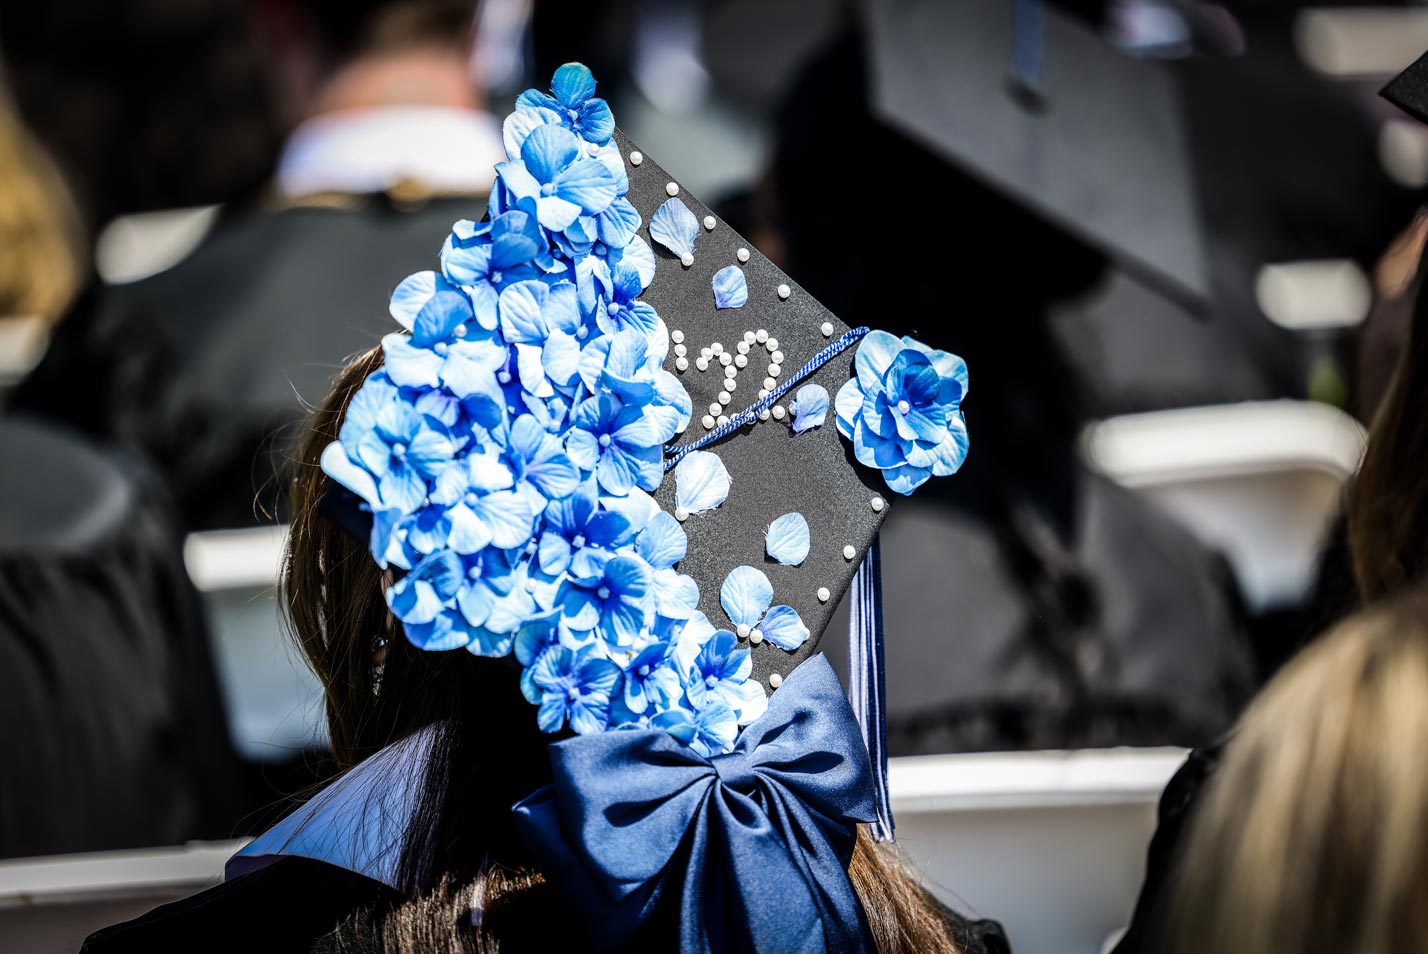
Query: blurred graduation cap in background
[
  {"x": 1409, "y": 89},
  {"x": 1031, "y": 102}
]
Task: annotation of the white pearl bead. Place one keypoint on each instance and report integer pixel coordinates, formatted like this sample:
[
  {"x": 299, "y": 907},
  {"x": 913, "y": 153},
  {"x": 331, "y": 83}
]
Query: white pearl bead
[
  {"x": 763, "y": 392},
  {"x": 770, "y": 384},
  {"x": 784, "y": 291},
  {"x": 774, "y": 370},
  {"x": 756, "y": 637},
  {"x": 730, "y": 371},
  {"x": 878, "y": 504},
  {"x": 749, "y": 337},
  {"x": 730, "y": 383},
  {"x": 702, "y": 364},
  {"x": 743, "y": 346},
  {"x": 723, "y": 419},
  {"x": 823, "y": 594},
  {"x": 772, "y": 346},
  {"x": 676, "y": 336},
  {"x": 778, "y": 357},
  {"x": 636, "y": 158},
  {"x": 761, "y": 336},
  {"x": 742, "y": 360},
  {"x": 687, "y": 259},
  {"x": 709, "y": 222},
  {"x": 706, "y": 352},
  {"x": 726, "y": 359},
  {"x": 849, "y": 552},
  {"x": 904, "y": 407},
  {"x": 827, "y": 329},
  {"x": 725, "y": 397},
  {"x": 716, "y": 408},
  {"x": 672, "y": 188},
  {"x": 775, "y": 680},
  {"x": 716, "y": 348},
  {"x": 742, "y": 254},
  {"x": 682, "y": 364},
  {"x": 708, "y": 422},
  {"x": 764, "y": 414},
  {"x": 681, "y": 514},
  {"x": 680, "y": 351},
  {"x": 743, "y": 630},
  {"x": 778, "y": 412}
]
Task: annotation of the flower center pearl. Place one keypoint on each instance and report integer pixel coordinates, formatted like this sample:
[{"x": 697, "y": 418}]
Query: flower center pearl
[
  {"x": 603, "y": 592},
  {"x": 711, "y": 681},
  {"x": 903, "y": 407},
  {"x": 581, "y": 332},
  {"x": 548, "y": 189},
  {"x": 579, "y": 541},
  {"x": 471, "y": 499},
  {"x": 600, "y": 249},
  {"x": 399, "y": 450},
  {"x": 643, "y": 672},
  {"x": 440, "y": 348},
  {"x": 495, "y": 277},
  {"x": 604, "y": 440},
  {"x": 474, "y": 573},
  {"x": 460, "y": 331},
  {"x": 572, "y": 114},
  {"x": 504, "y": 377},
  {"x": 612, "y": 309}
]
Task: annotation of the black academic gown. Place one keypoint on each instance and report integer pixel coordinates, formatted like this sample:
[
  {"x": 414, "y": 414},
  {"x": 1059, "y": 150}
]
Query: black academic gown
[
  {"x": 111, "y": 721},
  {"x": 209, "y": 367}
]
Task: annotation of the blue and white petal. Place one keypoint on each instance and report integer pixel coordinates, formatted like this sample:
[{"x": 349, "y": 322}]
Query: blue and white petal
[
  {"x": 810, "y": 407},
  {"x": 787, "y": 539},
  {"x": 675, "y": 227},
  {"x": 701, "y": 482},
  {"x": 745, "y": 595},
  {"x": 731, "y": 290}
]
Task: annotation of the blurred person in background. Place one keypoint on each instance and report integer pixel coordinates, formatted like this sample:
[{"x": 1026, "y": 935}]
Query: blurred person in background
[
  {"x": 1313, "y": 835},
  {"x": 1082, "y": 616},
  {"x": 200, "y": 365},
  {"x": 110, "y": 717}
]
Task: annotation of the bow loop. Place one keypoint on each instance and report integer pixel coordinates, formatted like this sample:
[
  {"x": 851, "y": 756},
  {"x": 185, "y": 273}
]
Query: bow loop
[{"x": 751, "y": 848}]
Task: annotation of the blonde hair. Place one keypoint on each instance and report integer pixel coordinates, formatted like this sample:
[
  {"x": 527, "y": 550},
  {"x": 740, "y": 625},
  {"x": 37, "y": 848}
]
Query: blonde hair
[
  {"x": 41, "y": 233},
  {"x": 1313, "y": 837}
]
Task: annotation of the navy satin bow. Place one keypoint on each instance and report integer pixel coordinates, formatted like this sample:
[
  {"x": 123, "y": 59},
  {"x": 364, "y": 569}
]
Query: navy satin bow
[{"x": 750, "y": 849}]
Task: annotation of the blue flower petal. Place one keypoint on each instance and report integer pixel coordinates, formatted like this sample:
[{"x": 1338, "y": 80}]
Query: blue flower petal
[
  {"x": 783, "y": 627},
  {"x": 701, "y": 482},
  {"x": 731, "y": 290},
  {"x": 519, "y": 124},
  {"x": 639, "y": 254},
  {"x": 745, "y": 595},
  {"x": 787, "y": 539},
  {"x": 810, "y": 407},
  {"x": 587, "y": 183},
  {"x": 572, "y": 85},
  {"x": 676, "y": 228},
  {"x": 663, "y": 542},
  {"x": 410, "y": 296}
]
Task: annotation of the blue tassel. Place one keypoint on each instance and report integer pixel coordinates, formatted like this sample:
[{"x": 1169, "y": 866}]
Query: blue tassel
[{"x": 866, "y": 690}]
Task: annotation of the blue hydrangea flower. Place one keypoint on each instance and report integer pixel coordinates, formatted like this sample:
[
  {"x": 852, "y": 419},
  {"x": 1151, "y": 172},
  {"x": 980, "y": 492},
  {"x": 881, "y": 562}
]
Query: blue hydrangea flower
[
  {"x": 902, "y": 412},
  {"x": 423, "y": 594},
  {"x": 542, "y": 470},
  {"x": 475, "y": 506},
  {"x": 623, "y": 446},
  {"x": 616, "y": 308},
  {"x": 386, "y": 453},
  {"x": 746, "y": 595},
  {"x": 650, "y": 682},
  {"x": 709, "y": 731},
  {"x": 719, "y": 675},
  {"x": 579, "y": 537},
  {"x": 553, "y": 178},
  {"x": 574, "y": 687},
  {"x": 617, "y": 607},
  {"x": 483, "y": 258},
  {"x": 572, "y": 99}
]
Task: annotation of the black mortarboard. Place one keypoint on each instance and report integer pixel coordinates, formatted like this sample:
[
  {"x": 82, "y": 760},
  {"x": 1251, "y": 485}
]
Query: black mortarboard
[
  {"x": 1035, "y": 105},
  {"x": 1409, "y": 89}
]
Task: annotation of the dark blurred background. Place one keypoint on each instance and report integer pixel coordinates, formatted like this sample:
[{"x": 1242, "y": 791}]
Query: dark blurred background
[{"x": 1175, "y": 241}]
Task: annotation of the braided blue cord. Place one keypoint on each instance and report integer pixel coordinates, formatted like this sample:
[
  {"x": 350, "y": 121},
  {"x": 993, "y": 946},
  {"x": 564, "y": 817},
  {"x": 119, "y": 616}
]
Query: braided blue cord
[{"x": 674, "y": 454}]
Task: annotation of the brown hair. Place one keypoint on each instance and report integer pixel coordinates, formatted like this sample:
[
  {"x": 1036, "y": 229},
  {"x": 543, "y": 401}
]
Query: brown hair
[
  {"x": 1388, "y": 502},
  {"x": 1313, "y": 836},
  {"x": 332, "y": 592}
]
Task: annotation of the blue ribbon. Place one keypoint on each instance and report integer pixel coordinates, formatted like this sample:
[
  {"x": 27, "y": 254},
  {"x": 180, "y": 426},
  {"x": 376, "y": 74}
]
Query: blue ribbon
[
  {"x": 751, "y": 849},
  {"x": 866, "y": 689}
]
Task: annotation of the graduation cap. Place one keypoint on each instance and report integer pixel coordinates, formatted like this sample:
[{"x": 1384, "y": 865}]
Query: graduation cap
[
  {"x": 1033, "y": 104},
  {"x": 619, "y": 446},
  {"x": 1409, "y": 89}
]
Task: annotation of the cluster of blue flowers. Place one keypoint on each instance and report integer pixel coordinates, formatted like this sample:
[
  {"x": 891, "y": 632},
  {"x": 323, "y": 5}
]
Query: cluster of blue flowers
[{"x": 508, "y": 447}]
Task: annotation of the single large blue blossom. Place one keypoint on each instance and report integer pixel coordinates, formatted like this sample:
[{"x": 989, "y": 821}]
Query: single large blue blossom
[
  {"x": 901, "y": 411},
  {"x": 554, "y": 179},
  {"x": 485, "y": 257},
  {"x": 622, "y": 445},
  {"x": 572, "y": 98},
  {"x": 575, "y": 687},
  {"x": 616, "y": 607},
  {"x": 579, "y": 537}
]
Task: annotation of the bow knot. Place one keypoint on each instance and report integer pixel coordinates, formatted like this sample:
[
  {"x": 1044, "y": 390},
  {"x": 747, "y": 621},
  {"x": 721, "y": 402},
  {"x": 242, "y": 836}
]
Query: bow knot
[{"x": 750, "y": 848}]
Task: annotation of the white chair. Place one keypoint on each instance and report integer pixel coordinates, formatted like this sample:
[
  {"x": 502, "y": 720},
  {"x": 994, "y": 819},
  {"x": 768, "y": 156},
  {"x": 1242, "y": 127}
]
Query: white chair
[
  {"x": 51, "y": 904},
  {"x": 274, "y": 702},
  {"x": 1260, "y": 481},
  {"x": 1051, "y": 844}
]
